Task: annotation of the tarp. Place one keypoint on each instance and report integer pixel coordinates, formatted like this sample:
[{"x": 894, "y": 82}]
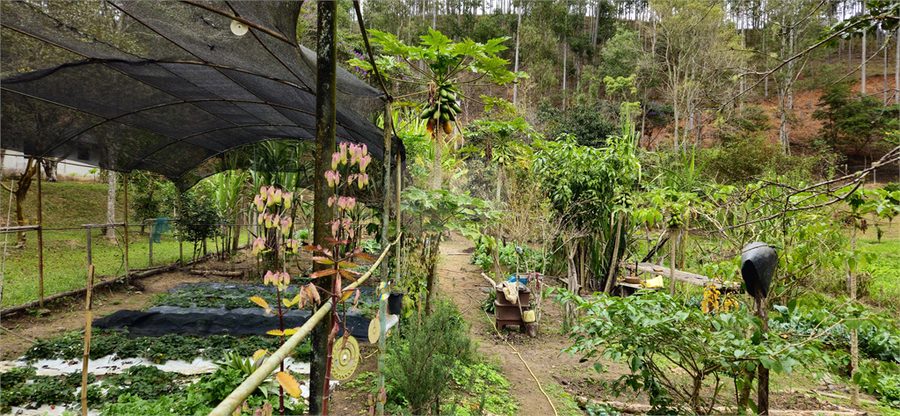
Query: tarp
[{"x": 164, "y": 86}]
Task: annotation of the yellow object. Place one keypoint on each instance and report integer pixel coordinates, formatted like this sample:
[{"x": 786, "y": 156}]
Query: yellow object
[
  {"x": 345, "y": 357},
  {"x": 510, "y": 291},
  {"x": 653, "y": 283},
  {"x": 374, "y": 330},
  {"x": 528, "y": 317}
]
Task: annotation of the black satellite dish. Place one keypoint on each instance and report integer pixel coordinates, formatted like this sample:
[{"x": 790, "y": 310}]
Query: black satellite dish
[{"x": 758, "y": 263}]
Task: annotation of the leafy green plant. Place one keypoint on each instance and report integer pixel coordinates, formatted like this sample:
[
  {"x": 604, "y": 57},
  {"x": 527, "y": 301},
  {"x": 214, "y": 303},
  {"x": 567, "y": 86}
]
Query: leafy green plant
[
  {"x": 199, "y": 219},
  {"x": 655, "y": 333},
  {"x": 141, "y": 381},
  {"x": 510, "y": 257},
  {"x": 52, "y": 390},
  {"x": 168, "y": 347},
  {"x": 419, "y": 364}
]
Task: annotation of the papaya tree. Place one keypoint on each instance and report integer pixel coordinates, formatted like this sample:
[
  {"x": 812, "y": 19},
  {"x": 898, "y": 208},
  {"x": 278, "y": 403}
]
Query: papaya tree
[{"x": 440, "y": 68}]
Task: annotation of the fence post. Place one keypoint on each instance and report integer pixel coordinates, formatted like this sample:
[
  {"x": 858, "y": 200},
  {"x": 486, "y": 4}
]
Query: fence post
[
  {"x": 151, "y": 245},
  {"x": 87, "y": 341}
]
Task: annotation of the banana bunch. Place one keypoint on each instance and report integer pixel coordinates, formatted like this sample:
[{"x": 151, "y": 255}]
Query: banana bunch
[
  {"x": 623, "y": 199},
  {"x": 675, "y": 221},
  {"x": 442, "y": 107}
]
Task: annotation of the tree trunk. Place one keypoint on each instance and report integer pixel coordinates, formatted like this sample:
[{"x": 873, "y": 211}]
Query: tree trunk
[
  {"x": 516, "y": 65},
  {"x": 437, "y": 170},
  {"x": 614, "y": 264},
  {"x": 20, "y": 192},
  {"x": 572, "y": 281},
  {"x": 884, "y": 87},
  {"x": 50, "y": 168},
  {"x": 432, "y": 253},
  {"x": 110, "y": 204},
  {"x": 743, "y": 399},
  {"x": 862, "y": 88},
  {"x": 565, "y": 60},
  {"x": 854, "y": 333},
  {"x": 236, "y": 236},
  {"x": 326, "y": 70}
]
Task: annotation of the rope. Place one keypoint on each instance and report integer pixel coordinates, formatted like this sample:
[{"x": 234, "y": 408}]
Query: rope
[
  {"x": 24, "y": 338},
  {"x": 523, "y": 362}
]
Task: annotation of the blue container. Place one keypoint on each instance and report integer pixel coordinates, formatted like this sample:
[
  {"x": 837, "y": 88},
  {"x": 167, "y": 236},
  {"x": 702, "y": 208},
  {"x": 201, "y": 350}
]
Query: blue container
[{"x": 522, "y": 280}]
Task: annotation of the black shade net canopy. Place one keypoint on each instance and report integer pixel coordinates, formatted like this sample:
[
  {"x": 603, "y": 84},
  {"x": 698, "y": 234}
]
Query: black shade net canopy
[{"x": 164, "y": 86}]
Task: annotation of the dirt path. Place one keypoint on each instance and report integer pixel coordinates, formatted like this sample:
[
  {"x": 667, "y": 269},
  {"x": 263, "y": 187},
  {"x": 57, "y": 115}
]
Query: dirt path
[{"x": 559, "y": 373}]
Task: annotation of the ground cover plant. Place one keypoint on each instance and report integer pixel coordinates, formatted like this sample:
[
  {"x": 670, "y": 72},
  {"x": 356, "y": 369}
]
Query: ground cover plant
[
  {"x": 238, "y": 296},
  {"x": 70, "y": 346}
]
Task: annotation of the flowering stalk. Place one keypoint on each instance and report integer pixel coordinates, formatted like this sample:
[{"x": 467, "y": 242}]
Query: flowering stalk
[
  {"x": 348, "y": 170},
  {"x": 273, "y": 206}
]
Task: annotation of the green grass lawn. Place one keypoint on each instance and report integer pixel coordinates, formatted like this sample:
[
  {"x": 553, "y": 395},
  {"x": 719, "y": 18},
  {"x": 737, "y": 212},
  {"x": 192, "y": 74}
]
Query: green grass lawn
[
  {"x": 884, "y": 286},
  {"x": 65, "y": 262},
  {"x": 68, "y": 205}
]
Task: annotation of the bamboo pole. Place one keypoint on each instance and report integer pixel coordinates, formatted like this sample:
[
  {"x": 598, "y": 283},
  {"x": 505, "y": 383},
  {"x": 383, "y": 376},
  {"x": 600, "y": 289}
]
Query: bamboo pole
[
  {"x": 87, "y": 342},
  {"x": 240, "y": 394},
  {"x": 40, "y": 235}
]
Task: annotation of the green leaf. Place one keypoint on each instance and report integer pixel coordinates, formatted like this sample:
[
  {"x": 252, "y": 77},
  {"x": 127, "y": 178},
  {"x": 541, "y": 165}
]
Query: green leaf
[
  {"x": 598, "y": 367},
  {"x": 787, "y": 364},
  {"x": 766, "y": 362},
  {"x": 635, "y": 363}
]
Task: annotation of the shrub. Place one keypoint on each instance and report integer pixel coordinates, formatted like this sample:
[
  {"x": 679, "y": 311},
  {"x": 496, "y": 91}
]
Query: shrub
[
  {"x": 421, "y": 360},
  {"x": 589, "y": 123}
]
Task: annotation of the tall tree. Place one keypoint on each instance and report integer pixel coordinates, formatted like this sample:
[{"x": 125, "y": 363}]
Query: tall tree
[
  {"x": 326, "y": 93},
  {"x": 111, "y": 204},
  {"x": 696, "y": 50}
]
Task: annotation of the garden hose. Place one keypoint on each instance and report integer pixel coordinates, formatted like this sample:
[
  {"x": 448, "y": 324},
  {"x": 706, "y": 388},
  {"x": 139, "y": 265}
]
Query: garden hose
[{"x": 526, "y": 365}]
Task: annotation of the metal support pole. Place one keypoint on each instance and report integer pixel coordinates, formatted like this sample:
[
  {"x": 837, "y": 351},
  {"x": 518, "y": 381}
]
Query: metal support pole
[
  {"x": 40, "y": 235},
  {"x": 125, "y": 232}
]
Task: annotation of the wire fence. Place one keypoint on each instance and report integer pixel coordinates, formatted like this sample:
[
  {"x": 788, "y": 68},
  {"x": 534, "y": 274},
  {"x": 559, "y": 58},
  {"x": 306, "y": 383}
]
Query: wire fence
[{"x": 33, "y": 274}]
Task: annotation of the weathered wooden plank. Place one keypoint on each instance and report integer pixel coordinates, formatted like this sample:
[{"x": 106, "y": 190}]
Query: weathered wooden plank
[{"x": 679, "y": 275}]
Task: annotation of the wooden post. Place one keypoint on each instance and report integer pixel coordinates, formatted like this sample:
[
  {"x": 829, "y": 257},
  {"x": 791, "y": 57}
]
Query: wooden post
[
  {"x": 40, "y": 235},
  {"x": 125, "y": 232},
  {"x": 150, "y": 253},
  {"x": 87, "y": 340},
  {"x": 762, "y": 389},
  {"x": 673, "y": 242},
  {"x": 90, "y": 261}
]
